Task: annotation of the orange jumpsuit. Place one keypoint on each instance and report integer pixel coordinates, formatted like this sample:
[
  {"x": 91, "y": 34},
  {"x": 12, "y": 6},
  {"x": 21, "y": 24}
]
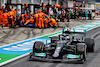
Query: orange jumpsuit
[
  {"x": 14, "y": 12},
  {"x": 37, "y": 19},
  {"x": 41, "y": 22},
  {"x": 5, "y": 20},
  {"x": 1, "y": 12},
  {"x": 45, "y": 21},
  {"x": 25, "y": 17},
  {"x": 53, "y": 22},
  {"x": 31, "y": 20},
  {"x": 11, "y": 17}
]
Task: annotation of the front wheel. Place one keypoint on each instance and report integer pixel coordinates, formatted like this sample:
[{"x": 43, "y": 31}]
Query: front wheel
[
  {"x": 38, "y": 47},
  {"x": 90, "y": 44}
]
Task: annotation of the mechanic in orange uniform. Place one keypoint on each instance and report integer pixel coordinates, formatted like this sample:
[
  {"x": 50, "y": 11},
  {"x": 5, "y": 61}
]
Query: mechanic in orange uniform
[
  {"x": 31, "y": 20},
  {"x": 45, "y": 21},
  {"x": 52, "y": 22},
  {"x": 41, "y": 22},
  {"x": 24, "y": 17},
  {"x": 5, "y": 18},
  {"x": 1, "y": 12},
  {"x": 11, "y": 17},
  {"x": 36, "y": 19}
]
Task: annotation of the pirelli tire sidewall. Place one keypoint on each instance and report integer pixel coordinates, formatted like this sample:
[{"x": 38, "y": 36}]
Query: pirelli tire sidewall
[
  {"x": 80, "y": 48},
  {"x": 90, "y": 44},
  {"x": 38, "y": 46}
]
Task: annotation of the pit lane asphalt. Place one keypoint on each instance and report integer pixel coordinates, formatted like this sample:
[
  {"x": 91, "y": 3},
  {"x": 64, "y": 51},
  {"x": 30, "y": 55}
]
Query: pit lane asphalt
[{"x": 23, "y": 62}]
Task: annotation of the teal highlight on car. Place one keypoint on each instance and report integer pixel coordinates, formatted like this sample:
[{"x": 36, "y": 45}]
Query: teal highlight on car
[
  {"x": 40, "y": 54},
  {"x": 72, "y": 56}
]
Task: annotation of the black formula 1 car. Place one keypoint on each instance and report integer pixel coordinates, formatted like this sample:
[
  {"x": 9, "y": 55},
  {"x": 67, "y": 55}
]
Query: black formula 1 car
[{"x": 64, "y": 47}]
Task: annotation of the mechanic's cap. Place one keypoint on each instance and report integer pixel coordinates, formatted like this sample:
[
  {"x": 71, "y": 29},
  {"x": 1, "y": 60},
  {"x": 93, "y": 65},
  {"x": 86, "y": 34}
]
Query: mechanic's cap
[
  {"x": 51, "y": 17},
  {"x": 41, "y": 10},
  {"x": 21, "y": 16},
  {"x": 6, "y": 11},
  {"x": 28, "y": 12},
  {"x": 46, "y": 16},
  {"x": 28, "y": 17}
]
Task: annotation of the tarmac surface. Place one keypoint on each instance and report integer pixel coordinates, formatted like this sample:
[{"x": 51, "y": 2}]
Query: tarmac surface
[{"x": 8, "y": 36}]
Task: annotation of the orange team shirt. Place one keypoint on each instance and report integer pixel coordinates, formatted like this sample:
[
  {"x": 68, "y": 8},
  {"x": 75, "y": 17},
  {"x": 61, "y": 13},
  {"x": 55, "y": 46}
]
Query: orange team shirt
[
  {"x": 31, "y": 19},
  {"x": 36, "y": 15},
  {"x": 24, "y": 16},
  {"x": 5, "y": 15},
  {"x": 1, "y": 12},
  {"x": 40, "y": 15},
  {"x": 53, "y": 20},
  {"x": 14, "y": 13},
  {"x": 11, "y": 13}
]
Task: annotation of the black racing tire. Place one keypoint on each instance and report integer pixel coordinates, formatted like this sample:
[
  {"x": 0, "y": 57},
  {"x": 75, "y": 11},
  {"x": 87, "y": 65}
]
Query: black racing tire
[
  {"x": 80, "y": 48},
  {"x": 38, "y": 46},
  {"x": 90, "y": 44}
]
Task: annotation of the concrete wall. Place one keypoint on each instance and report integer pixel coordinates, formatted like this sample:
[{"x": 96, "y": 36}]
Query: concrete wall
[
  {"x": 45, "y": 2},
  {"x": 89, "y": 6},
  {"x": 70, "y": 4},
  {"x": 0, "y": 3},
  {"x": 92, "y": 6},
  {"x": 27, "y": 1}
]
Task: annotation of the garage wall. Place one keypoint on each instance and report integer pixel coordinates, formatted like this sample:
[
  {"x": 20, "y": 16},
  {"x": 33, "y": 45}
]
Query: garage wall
[
  {"x": 0, "y": 3},
  {"x": 45, "y": 1},
  {"x": 92, "y": 6},
  {"x": 70, "y": 4}
]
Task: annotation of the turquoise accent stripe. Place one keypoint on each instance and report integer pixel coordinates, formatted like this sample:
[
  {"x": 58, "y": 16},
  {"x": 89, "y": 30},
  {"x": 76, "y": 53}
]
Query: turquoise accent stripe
[
  {"x": 40, "y": 54},
  {"x": 72, "y": 56}
]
